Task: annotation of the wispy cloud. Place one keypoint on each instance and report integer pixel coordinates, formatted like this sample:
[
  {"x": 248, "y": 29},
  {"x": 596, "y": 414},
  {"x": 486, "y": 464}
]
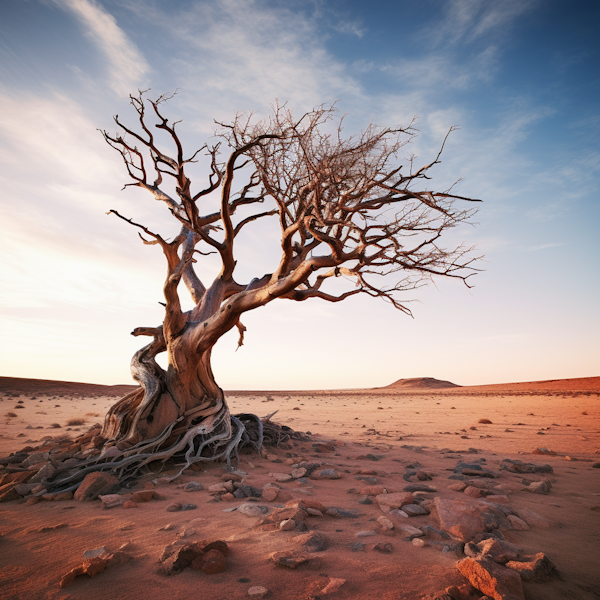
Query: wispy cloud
[
  {"x": 471, "y": 20},
  {"x": 242, "y": 55},
  {"x": 545, "y": 246},
  {"x": 127, "y": 66}
]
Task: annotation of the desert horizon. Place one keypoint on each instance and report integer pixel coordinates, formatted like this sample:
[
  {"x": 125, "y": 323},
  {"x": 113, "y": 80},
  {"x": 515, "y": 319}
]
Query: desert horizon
[{"x": 356, "y": 452}]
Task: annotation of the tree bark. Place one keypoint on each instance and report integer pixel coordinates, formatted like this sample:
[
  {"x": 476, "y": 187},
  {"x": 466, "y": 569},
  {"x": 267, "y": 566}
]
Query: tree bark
[{"x": 169, "y": 402}]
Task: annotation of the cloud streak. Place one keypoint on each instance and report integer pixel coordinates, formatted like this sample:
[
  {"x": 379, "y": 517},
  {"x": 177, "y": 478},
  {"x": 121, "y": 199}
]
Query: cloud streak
[{"x": 127, "y": 66}]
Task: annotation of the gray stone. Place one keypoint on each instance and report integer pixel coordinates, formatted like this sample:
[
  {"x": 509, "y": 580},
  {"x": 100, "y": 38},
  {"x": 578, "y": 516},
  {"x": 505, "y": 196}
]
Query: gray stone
[
  {"x": 46, "y": 472},
  {"x": 193, "y": 486},
  {"x": 419, "y": 487},
  {"x": 413, "y": 510},
  {"x": 93, "y": 553},
  {"x": 517, "y": 466},
  {"x": 328, "y": 474},
  {"x": 312, "y": 542},
  {"x": 252, "y": 510},
  {"x": 540, "y": 487}
]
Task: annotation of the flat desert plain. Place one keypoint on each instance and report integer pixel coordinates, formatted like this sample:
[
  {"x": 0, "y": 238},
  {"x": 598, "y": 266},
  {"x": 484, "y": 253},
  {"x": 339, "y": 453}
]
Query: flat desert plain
[{"x": 359, "y": 448}]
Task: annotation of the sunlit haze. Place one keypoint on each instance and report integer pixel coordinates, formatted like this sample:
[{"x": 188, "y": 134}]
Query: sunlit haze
[{"x": 518, "y": 77}]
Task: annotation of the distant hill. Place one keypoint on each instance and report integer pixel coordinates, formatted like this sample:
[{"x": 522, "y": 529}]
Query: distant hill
[
  {"x": 421, "y": 383},
  {"x": 48, "y": 386}
]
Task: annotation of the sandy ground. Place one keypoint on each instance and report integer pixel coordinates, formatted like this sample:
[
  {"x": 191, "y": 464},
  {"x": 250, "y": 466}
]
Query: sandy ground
[{"x": 426, "y": 429}]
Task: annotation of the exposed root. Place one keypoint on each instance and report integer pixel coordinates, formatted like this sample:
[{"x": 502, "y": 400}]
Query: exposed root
[{"x": 218, "y": 439}]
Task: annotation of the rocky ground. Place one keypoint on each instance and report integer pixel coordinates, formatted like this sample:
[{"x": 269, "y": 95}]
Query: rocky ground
[{"x": 420, "y": 500}]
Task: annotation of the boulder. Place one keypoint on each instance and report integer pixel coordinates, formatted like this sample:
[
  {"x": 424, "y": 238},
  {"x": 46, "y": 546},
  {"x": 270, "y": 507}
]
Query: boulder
[{"x": 464, "y": 517}]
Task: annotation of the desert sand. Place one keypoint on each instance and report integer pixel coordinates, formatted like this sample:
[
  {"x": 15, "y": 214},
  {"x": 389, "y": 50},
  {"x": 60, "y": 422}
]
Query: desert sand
[{"x": 390, "y": 437}]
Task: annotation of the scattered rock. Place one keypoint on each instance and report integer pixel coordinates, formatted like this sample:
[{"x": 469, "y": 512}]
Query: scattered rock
[
  {"x": 472, "y": 492},
  {"x": 335, "y": 511},
  {"x": 384, "y": 548},
  {"x": 93, "y": 566},
  {"x": 129, "y": 504},
  {"x": 270, "y": 494},
  {"x": 206, "y": 556},
  {"x": 175, "y": 507},
  {"x": 112, "y": 500},
  {"x": 496, "y": 551},
  {"x": 257, "y": 591},
  {"x": 410, "y": 532},
  {"x": 395, "y": 500},
  {"x": 252, "y": 510},
  {"x": 538, "y": 568},
  {"x": 194, "y": 486},
  {"x": 419, "y": 487},
  {"x": 210, "y": 563},
  {"x": 326, "y": 474},
  {"x": 282, "y": 477},
  {"x": 94, "y": 485},
  {"x": 289, "y": 559},
  {"x": 458, "y": 487},
  {"x": 312, "y": 542},
  {"x": 46, "y": 472},
  {"x": 385, "y": 523},
  {"x": 491, "y": 579},
  {"x": 532, "y": 518},
  {"x": 334, "y": 585},
  {"x": 414, "y": 510},
  {"x": 540, "y": 487},
  {"x": 517, "y": 466},
  {"x": 517, "y": 524},
  {"x": 94, "y": 553},
  {"x": 373, "y": 490},
  {"x": 287, "y": 525}
]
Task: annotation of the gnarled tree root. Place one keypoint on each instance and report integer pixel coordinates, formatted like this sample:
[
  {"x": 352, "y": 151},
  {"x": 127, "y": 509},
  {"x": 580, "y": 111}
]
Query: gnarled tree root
[{"x": 223, "y": 442}]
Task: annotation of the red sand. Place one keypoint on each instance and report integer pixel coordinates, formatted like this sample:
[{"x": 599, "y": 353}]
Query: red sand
[{"x": 404, "y": 426}]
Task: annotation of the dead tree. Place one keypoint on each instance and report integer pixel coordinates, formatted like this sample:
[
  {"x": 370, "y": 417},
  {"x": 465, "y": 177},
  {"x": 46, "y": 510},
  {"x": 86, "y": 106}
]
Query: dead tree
[{"x": 346, "y": 208}]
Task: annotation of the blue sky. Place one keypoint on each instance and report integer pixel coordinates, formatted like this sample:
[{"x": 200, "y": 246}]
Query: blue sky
[{"x": 520, "y": 78}]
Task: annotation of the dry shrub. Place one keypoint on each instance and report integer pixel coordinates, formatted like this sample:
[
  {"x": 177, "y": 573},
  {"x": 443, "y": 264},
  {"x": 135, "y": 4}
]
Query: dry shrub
[
  {"x": 19, "y": 406},
  {"x": 584, "y": 412},
  {"x": 485, "y": 421},
  {"x": 10, "y": 414},
  {"x": 55, "y": 426},
  {"x": 74, "y": 422},
  {"x": 92, "y": 414}
]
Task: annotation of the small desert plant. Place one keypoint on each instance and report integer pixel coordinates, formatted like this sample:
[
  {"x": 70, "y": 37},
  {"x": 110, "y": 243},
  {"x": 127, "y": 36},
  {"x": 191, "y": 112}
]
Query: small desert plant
[
  {"x": 19, "y": 406},
  {"x": 55, "y": 426},
  {"x": 485, "y": 421},
  {"x": 10, "y": 414},
  {"x": 74, "y": 422},
  {"x": 92, "y": 414}
]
